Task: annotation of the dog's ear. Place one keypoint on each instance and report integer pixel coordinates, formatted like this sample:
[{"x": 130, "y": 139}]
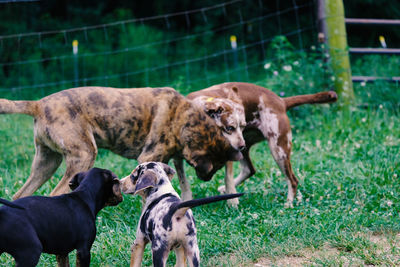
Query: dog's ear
[
  {"x": 213, "y": 109},
  {"x": 76, "y": 180},
  {"x": 233, "y": 94},
  {"x": 168, "y": 170},
  {"x": 147, "y": 180},
  {"x": 135, "y": 173}
]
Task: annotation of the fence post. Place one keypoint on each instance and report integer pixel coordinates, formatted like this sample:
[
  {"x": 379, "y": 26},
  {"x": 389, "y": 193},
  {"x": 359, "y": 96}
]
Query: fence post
[
  {"x": 76, "y": 70},
  {"x": 338, "y": 50}
]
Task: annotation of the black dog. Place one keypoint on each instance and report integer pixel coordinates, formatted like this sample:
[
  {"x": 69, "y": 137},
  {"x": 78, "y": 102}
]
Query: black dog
[{"x": 58, "y": 225}]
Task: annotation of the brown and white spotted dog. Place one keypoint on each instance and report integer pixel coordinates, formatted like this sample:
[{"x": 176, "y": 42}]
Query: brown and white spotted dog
[
  {"x": 229, "y": 116},
  {"x": 266, "y": 119},
  {"x": 166, "y": 221},
  {"x": 143, "y": 123}
]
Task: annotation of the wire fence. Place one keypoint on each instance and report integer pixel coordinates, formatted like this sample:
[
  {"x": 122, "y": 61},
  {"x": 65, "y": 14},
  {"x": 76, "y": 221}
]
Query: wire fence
[{"x": 187, "y": 50}]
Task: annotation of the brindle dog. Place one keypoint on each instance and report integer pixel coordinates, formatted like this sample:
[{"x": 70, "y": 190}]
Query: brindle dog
[{"x": 147, "y": 124}]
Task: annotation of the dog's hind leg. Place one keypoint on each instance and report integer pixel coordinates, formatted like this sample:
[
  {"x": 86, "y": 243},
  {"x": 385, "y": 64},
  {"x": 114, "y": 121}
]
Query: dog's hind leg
[
  {"x": 137, "y": 251},
  {"x": 26, "y": 258},
  {"x": 193, "y": 255},
  {"x": 160, "y": 255},
  {"x": 29, "y": 249},
  {"x": 180, "y": 257},
  {"x": 44, "y": 165},
  {"x": 79, "y": 160},
  {"x": 280, "y": 144},
  {"x": 183, "y": 182}
]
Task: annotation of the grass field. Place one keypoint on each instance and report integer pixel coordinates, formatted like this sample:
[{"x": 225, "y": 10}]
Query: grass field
[{"x": 348, "y": 164}]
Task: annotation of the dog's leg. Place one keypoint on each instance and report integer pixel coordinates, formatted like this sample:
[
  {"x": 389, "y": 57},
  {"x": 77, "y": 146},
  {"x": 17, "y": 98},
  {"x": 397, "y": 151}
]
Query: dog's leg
[
  {"x": 246, "y": 169},
  {"x": 44, "y": 164},
  {"x": 28, "y": 255},
  {"x": 280, "y": 144},
  {"x": 183, "y": 182},
  {"x": 77, "y": 161},
  {"x": 137, "y": 251},
  {"x": 230, "y": 184},
  {"x": 62, "y": 260},
  {"x": 160, "y": 255},
  {"x": 180, "y": 257},
  {"x": 83, "y": 258},
  {"x": 193, "y": 255}
]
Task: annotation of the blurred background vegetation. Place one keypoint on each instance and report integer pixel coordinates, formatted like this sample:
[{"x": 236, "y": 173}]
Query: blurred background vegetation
[{"x": 179, "y": 43}]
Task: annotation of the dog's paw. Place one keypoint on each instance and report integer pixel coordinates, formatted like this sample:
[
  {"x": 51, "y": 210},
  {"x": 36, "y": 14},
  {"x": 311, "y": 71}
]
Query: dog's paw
[
  {"x": 288, "y": 204},
  {"x": 234, "y": 202},
  {"x": 222, "y": 189}
]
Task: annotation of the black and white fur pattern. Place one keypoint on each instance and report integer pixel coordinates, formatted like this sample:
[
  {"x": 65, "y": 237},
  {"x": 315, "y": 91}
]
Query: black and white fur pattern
[{"x": 166, "y": 221}]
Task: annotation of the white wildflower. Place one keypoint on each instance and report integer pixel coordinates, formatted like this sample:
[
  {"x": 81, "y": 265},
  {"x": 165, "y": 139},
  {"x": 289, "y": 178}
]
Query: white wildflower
[
  {"x": 363, "y": 83},
  {"x": 364, "y": 119},
  {"x": 318, "y": 143},
  {"x": 389, "y": 203},
  {"x": 296, "y": 63},
  {"x": 255, "y": 216},
  {"x": 381, "y": 106},
  {"x": 333, "y": 78},
  {"x": 327, "y": 173},
  {"x": 395, "y": 175},
  {"x": 287, "y": 68},
  {"x": 275, "y": 73},
  {"x": 267, "y": 66},
  {"x": 313, "y": 47}
]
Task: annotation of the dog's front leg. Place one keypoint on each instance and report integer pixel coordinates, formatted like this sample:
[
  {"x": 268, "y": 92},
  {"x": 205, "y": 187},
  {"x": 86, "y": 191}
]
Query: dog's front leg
[
  {"x": 230, "y": 184},
  {"x": 62, "y": 260},
  {"x": 83, "y": 258},
  {"x": 137, "y": 251},
  {"x": 183, "y": 182}
]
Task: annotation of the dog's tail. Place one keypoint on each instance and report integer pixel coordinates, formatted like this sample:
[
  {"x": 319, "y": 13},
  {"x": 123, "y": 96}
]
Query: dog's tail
[
  {"x": 323, "y": 97},
  {"x": 23, "y": 107},
  {"x": 10, "y": 204},
  {"x": 181, "y": 208}
]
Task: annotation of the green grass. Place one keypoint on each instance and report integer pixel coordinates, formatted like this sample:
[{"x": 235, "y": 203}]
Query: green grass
[{"x": 348, "y": 164}]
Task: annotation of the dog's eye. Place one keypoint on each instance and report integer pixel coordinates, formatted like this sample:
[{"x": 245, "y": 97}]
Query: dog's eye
[{"x": 229, "y": 128}]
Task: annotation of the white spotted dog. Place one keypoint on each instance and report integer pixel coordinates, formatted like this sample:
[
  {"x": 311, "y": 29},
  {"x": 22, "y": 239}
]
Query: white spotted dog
[
  {"x": 166, "y": 221},
  {"x": 266, "y": 119}
]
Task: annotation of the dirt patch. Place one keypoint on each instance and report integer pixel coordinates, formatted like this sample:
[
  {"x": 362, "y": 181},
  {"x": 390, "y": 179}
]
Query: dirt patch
[{"x": 385, "y": 245}]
